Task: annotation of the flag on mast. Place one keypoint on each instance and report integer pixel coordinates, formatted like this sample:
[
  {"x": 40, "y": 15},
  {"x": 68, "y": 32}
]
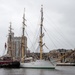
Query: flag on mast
[{"x": 5, "y": 45}]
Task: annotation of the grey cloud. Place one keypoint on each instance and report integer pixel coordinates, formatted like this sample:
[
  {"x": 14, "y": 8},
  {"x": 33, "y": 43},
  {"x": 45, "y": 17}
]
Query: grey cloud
[{"x": 12, "y": 10}]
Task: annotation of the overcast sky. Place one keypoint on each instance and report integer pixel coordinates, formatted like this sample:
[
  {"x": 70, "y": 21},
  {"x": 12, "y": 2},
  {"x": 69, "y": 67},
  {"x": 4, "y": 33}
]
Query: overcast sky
[{"x": 59, "y": 16}]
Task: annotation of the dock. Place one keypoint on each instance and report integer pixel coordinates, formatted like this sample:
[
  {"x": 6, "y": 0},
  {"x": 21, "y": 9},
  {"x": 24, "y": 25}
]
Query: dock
[{"x": 65, "y": 64}]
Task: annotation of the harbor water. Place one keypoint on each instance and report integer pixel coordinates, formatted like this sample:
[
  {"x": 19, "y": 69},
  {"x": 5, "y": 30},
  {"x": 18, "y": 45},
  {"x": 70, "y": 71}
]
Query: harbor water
[{"x": 59, "y": 70}]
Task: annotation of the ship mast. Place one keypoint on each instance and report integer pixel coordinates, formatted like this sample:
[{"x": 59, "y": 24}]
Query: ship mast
[
  {"x": 23, "y": 38},
  {"x": 41, "y": 34},
  {"x": 10, "y": 41},
  {"x": 10, "y": 31},
  {"x": 23, "y": 23}
]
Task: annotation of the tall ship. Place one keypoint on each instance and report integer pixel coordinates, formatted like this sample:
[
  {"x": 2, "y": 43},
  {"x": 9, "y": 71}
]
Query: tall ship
[
  {"x": 7, "y": 60},
  {"x": 39, "y": 63}
]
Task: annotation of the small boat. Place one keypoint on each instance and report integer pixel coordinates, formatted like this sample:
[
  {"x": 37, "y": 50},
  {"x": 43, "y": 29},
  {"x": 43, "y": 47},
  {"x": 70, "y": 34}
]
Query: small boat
[{"x": 7, "y": 62}]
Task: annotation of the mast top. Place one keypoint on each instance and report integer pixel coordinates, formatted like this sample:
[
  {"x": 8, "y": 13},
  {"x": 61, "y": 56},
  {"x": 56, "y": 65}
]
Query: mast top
[
  {"x": 10, "y": 28},
  {"x": 24, "y": 14},
  {"x": 24, "y": 22},
  {"x": 41, "y": 14},
  {"x": 41, "y": 6}
]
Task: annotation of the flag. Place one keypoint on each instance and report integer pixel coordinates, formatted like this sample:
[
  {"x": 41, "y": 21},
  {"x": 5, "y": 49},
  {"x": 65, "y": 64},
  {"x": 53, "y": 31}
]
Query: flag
[{"x": 5, "y": 45}]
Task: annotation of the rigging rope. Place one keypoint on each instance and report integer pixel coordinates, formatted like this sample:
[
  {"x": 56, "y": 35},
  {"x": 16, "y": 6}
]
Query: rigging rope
[
  {"x": 49, "y": 37},
  {"x": 61, "y": 32},
  {"x": 57, "y": 39},
  {"x": 30, "y": 41}
]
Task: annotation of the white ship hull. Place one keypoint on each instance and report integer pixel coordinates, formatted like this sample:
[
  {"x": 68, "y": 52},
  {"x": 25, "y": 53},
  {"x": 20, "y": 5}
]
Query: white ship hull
[{"x": 38, "y": 64}]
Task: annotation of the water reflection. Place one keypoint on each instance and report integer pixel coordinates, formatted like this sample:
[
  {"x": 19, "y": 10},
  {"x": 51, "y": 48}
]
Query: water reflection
[{"x": 67, "y": 70}]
